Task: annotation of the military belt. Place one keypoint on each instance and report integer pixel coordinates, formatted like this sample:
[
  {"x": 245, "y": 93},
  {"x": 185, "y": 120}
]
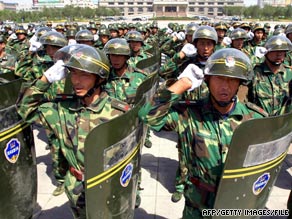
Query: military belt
[
  {"x": 201, "y": 185},
  {"x": 77, "y": 173}
]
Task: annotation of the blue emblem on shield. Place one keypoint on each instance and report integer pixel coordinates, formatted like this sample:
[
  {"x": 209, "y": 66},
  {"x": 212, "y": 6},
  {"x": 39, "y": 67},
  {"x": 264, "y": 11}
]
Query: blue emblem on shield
[
  {"x": 126, "y": 175},
  {"x": 12, "y": 150},
  {"x": 260, "y": 183}
]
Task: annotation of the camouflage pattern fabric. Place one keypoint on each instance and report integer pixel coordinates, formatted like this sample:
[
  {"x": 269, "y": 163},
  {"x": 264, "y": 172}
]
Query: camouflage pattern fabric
[
  {"x": 268, "y": 90},
  {"x": 133, "y": 60},
  {"x": 125, "y": 87},
  {"x": 204, "y": 136},
  {"x": 70, "y": 121}
]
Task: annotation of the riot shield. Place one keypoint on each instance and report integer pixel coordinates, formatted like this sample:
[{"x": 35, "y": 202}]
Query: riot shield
[
  {"x": 112, "y": 165},
  {"x": 151, "y": 65},
  {"x": 18, "y": 185},
  {"x": 256, "y": 152}
]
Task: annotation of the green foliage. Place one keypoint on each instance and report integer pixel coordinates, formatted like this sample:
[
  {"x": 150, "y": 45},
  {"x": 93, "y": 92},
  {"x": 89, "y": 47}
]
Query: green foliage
[
  {"x": 79, "y": 14},
  {"x": 56, "y": 14}
]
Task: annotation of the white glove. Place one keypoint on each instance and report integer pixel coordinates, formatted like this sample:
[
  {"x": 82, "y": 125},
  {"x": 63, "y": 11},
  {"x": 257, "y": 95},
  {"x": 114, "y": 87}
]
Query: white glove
[
  {"x": 95, "y": 37},
  {"x": 181, "y": 36},
  {"x": 250, "y": 35},
  {"x": 189, "y": 49},
  {"x": 34, "y": 38},
  {"x": 13, "y": 36},
  {"x": 34, "y": 46},
  {"x": 72, "y": 42},
  {"x": 260, "y": 51},
  {"x": 227, "y": 41},
  {"x": 195, "y": 74},
  {"x": 173, "y": 34},
  {"x": 56, "y": 72},
  {"x": 168, "y": 31}
]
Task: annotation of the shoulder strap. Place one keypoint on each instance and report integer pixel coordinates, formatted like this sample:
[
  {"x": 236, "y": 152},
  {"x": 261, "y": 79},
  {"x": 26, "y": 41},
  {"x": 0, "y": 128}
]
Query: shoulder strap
[
  {"x": 256, "y": 108},
  {"x": 120, "y": 105}
]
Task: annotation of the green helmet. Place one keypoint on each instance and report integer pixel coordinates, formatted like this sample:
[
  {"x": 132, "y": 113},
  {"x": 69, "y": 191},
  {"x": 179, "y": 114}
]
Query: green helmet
[
  {"x": 245, "y": 25},
  {"x": 20, "y": 30},
  {"x": 278, "y": 43},
  {"x": 53, "y": 38},
  {"x": 41, "y": 31},
  {"x": 60, "y": 27},
  {"x": 191, "y": 28},
  {"x": 117, "y": 46},
  {"x": 238, "y": 33},
  {"x": 84, "y": 35},
  {"x": 71, "y": 32},
  {"x": 288, "y": 29},
  {"x": 103, "y": 32},
  {"x": 205, "y": 32},
  {"x": 279, "y": 31},
  {"x": 220, "y": 26},
  {"x": 92, "y": 26},
  {"x": 258, "y": 26},
  {"x": 134, "y": 36},
  {"x": 85, "y": 58},
  {"x": 229, "y": 62}
]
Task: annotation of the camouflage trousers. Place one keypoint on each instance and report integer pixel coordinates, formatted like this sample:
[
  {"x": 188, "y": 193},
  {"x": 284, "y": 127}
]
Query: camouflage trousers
[
  {"x": 59, "y": 163},
  {"x": 77, "y": 202}
]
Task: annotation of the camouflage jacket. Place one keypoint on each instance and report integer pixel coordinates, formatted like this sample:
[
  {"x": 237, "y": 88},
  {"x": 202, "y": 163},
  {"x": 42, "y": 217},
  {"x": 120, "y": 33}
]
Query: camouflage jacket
[
  {"x": 7, "y": 64},
  {"x": 175, "y": 66},
  {"x": 270, "y": 91},
  {"x": 68, "y": 119},
  {"x": 204, "y": 136},
  {"x": 133, "y": 60},
  {"x": 125, "y": 87},
  {"x": 33, "y": 65}
]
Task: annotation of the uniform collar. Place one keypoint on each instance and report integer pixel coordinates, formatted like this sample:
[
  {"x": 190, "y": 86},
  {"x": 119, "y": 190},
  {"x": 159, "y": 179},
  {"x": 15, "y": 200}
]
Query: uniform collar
[{"x": 96, "y": 106}]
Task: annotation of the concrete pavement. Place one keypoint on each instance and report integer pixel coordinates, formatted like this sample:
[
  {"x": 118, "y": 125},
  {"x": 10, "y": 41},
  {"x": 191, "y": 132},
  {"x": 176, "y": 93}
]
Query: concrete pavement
[{"x": 159, "y": 165}]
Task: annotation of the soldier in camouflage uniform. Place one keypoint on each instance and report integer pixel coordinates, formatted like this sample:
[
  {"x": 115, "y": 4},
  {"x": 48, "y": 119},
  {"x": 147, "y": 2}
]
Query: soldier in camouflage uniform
[
  {"x": 32, "y": 67},
  {"x": 288, "y": 33},
  {"x": 258, "y": 39},
  {"x": 7, "y": 61},
  {"x": 123, "y": 80},
  {"x": 271, "y": 86},
  {"x": 221, "y": 30},
  {"x": 103, "y": 38},
  {"x": 238, "y": 37},
  {"x": 204, "y": 128},
  {"x": 84, "y": 37},
  {"x": 136, "y": 42},
  {"x": 20, "y": 45},
  {"x": 73, "y": 118}
]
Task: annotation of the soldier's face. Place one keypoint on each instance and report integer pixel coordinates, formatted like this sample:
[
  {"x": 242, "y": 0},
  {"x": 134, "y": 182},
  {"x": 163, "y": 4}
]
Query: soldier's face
[
  {"x": 51, "y": 50},
  {"x": 259, "y": 34},
  {"x": 118, "y": 61},
  {"x": 276, "y": 56},
  {"x": 237, "y": 43},
  {"x": 135, "y": 46},
  {"x": 82, "y": 81},
  {"x": 205, "y": 47},
  {"x": 223, "y": 88}
]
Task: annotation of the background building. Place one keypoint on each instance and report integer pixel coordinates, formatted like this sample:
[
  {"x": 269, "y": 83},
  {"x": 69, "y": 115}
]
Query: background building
[
  {"x": 168, "y": 8},
  {"x": 275, "y": 3}
]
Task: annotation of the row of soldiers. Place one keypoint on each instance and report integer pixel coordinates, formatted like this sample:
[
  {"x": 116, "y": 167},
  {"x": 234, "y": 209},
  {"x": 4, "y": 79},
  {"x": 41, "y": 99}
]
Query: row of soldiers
[{"x": 269, "y": 88}]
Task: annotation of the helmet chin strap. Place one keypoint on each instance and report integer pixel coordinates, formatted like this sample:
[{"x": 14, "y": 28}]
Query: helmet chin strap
[
  {"x": 274, "y": 63},
  {"x": 224, "y": 103},
  {"x": 91, "y": 91}
]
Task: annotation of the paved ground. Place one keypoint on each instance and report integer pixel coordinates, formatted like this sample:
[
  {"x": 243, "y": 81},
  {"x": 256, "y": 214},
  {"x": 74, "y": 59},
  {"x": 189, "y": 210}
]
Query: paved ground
[{"x": 159, "y": 164}]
